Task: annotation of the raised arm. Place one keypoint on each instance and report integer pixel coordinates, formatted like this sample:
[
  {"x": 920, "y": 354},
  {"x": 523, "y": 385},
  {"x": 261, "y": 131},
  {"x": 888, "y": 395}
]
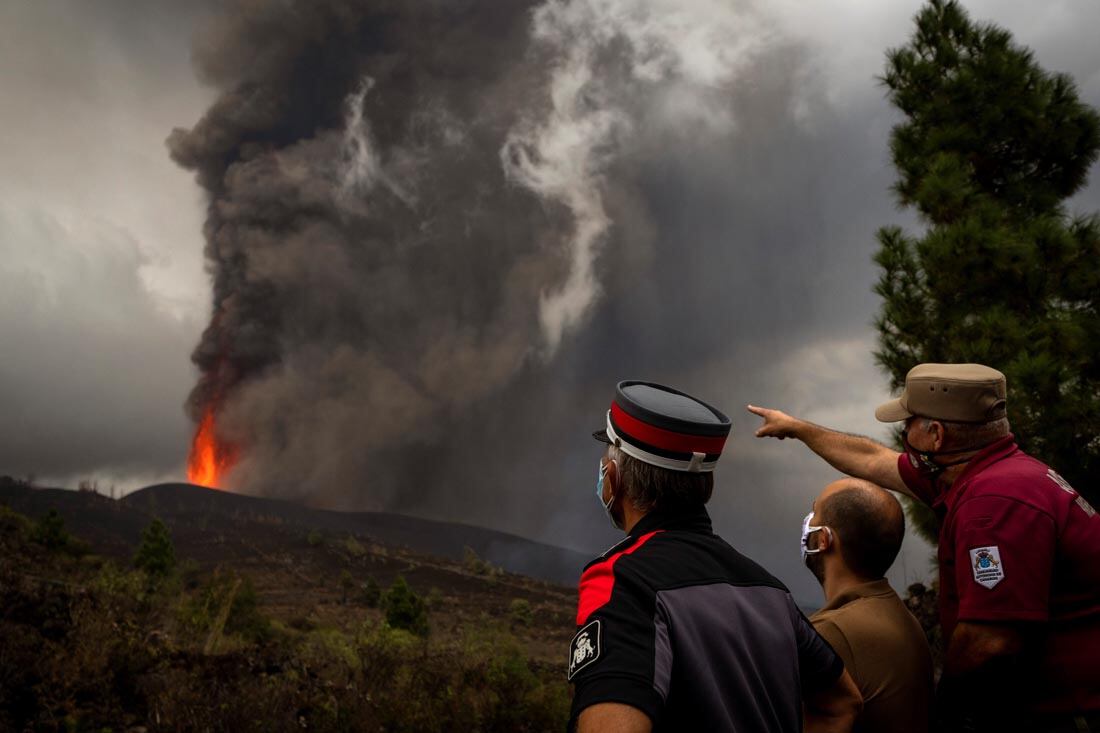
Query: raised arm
[{"x": 854, "y": 455}]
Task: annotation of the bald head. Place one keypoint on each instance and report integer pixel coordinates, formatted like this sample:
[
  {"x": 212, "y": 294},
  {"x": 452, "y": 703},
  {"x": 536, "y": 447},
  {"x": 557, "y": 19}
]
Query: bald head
[{"x": 868, "y": 521}]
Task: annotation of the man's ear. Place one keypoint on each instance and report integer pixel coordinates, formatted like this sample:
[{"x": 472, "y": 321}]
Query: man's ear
[
  {"x": 826, "y": 539},
  {"x": 611, "y": 476},
  {"x": 938, "y": 434}
]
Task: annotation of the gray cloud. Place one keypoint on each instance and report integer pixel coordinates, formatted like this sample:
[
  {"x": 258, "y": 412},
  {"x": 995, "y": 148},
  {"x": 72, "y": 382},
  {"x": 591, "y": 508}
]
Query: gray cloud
[
  {"x": 90, "y": 360},
  {"x": 101, "y": 272}
]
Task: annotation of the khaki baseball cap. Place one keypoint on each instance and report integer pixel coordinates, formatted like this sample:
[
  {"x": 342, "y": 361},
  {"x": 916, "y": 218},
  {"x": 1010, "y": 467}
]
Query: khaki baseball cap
[{"x": 957, "y": 392}]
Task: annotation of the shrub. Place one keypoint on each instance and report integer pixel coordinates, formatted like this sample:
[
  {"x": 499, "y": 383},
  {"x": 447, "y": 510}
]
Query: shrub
[
  {"x": 245, "y": 617},
  {"x": 112, "y": 580},
  {"x": 156, "y": 556},
  {"x": 472, "y": 563},
  {"x": 405, "y": 609},
  {"x": 371, "y": 593},
  {"x": 49, "y": 531},
  {"x": 315, "y": 538},
  {"x": 353, "y": 547},
  {"x": 520, "y": 611},
  {"x": 14, "y": 526},
  {"x": 347, "y": 584}
]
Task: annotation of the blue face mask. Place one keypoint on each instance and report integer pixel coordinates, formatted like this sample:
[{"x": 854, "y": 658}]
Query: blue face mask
[{"x": 599, "y": 495}]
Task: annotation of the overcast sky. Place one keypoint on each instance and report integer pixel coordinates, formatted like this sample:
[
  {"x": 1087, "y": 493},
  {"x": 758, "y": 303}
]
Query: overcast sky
[{"x": 103, "y": 294}]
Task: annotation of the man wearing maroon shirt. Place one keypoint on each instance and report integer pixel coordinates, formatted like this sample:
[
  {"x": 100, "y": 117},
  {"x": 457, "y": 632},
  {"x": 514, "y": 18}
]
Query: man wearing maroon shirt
[{"x": 1019, "y": 550}]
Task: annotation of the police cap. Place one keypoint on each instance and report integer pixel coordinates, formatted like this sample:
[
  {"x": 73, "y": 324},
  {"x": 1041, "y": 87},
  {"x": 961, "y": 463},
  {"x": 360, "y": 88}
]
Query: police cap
[{"x": 665, "y": 427}]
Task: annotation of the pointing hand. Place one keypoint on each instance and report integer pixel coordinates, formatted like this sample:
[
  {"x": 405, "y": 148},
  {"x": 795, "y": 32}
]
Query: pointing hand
[{"x": 776, "y": 424}]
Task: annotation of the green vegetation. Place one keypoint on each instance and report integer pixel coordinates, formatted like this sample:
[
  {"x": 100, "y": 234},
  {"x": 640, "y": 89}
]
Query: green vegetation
[
  {"x": 405, "y": 609},
  {"x": 434, "y": 600},
  {"x": 353, "y": 547},
  {"x": 474, "y": 564},
  {"x": 989, "y": 149},
  {"x": 91, "y": 646},
  {"x": 13, "y": 525},
  {"x": 520, "y": 612},
  {"x": 49, "y": 531},
  {"x": 347, "y": 585},
  {"x": 156, "y": 555},
  {"x": 371, "y": 593}
]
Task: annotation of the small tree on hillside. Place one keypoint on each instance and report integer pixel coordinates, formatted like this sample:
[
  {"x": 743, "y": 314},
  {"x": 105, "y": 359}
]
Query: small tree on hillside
[
  {"x": 347, "y": 585},
  {"x": 49, "y": 531},
  {"x": 990, "y": 147},
  {"x": 156, "y": 555},
  {"x": 405, "y": 609},
  {"x": 371, "y": 593}
]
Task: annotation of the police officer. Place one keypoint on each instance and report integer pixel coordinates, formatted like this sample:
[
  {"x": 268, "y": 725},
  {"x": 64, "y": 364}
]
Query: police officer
[
  {"x": 1019, "y": 550},
  {"x": 676, "y": 630}
]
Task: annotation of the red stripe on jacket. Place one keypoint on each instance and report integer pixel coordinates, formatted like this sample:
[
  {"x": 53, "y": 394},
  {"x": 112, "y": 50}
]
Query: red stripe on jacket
[
  {"x": 666, "y": 439},
  {"x": 599, "y": 580}
]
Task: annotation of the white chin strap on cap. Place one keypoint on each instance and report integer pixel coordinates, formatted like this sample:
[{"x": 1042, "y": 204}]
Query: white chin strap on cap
[{"x": 697, "y": 464}]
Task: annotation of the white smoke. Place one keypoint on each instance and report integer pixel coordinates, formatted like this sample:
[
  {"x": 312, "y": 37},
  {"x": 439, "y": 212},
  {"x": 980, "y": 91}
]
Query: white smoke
[
  {"x": 688, "y": 52},
  {"x": 362, "y": 167}
]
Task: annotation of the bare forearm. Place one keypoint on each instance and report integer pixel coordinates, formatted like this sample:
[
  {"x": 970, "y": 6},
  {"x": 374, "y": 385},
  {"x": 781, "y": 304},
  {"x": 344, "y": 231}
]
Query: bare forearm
[
  {"x": 980, "y": 657},
  {"x": 974, "y": 647},
  {"x": 854, "y": 455}
]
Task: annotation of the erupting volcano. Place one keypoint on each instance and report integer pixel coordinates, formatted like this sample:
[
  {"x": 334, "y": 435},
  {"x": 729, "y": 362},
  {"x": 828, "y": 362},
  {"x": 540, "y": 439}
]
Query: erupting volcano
[
  {"x": 210, "y": 459},
  {"x": 410, "y": 211}
]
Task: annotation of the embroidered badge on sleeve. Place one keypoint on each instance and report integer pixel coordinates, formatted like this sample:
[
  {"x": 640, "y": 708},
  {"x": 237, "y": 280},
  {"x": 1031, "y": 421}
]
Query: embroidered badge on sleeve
[
  {"x": 1079, "y": 500},
  {"x": 987, "y": 566},
  {"x": 585, "y": 648}
]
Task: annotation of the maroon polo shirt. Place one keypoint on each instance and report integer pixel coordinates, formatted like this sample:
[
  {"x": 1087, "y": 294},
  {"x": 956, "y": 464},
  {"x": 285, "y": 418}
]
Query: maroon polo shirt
[{"x": 1019, "y": 544}]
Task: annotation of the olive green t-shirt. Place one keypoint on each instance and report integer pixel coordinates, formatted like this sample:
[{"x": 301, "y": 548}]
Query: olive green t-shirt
[{"x": 885, "y": 651}]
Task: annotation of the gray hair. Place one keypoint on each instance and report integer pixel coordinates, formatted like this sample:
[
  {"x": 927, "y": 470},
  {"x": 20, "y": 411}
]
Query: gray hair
[
  {"x": 650, "y": 487},
  {"x": 960, "y": 435}
]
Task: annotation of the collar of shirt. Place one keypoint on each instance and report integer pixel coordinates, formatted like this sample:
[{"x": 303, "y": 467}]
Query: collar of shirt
[
  {"x": 873, "y": 589},
  {"x": 985, "y": 458},
  {"x": 688, "y": 519}
]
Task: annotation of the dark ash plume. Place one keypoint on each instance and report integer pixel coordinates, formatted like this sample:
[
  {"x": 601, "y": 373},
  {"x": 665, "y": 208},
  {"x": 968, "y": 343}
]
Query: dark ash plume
[
  {"x": 373, "y": 268},
  {"x": 407, "y": 206}
]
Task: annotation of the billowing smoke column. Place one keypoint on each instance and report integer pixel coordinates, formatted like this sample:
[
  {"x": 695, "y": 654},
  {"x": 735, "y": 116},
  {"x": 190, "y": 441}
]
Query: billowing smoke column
[{"x": 407, "y": 208}]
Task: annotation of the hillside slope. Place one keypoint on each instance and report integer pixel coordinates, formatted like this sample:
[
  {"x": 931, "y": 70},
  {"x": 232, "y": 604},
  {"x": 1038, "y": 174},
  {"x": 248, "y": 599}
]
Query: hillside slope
[
  {"x": 269, "y": 622},
  {"x": 114, "y": 526}
]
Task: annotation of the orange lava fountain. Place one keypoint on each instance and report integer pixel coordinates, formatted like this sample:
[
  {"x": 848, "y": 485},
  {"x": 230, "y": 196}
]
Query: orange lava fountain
[{"x": 210, "y": 459}]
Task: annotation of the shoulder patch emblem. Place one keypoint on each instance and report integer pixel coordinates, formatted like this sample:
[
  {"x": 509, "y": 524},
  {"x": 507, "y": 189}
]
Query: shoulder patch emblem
[
  {"x": 585, "y": 648},
  {"x": 986, "y": 564}
]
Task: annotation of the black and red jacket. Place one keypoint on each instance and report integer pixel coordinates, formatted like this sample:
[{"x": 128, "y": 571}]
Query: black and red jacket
[{"x": 675, "y": 622}]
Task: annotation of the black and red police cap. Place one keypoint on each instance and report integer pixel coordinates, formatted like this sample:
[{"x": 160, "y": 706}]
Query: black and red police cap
[{"x": 665, "y": 427}]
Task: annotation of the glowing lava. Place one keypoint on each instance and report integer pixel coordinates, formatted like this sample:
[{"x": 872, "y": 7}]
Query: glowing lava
[{"x": 210, "y": 459}]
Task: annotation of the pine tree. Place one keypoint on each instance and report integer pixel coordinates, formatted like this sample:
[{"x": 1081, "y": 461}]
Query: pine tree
[
  {"x": 156, "y": 555},
  {"x": 405, "y": 609},
  {"x": 988, "y": 150}
]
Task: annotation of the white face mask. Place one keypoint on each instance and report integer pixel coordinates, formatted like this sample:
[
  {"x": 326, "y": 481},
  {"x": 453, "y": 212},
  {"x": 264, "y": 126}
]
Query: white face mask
[
  {"x": 599, "y": 495},
  {"x": 807, "y": 530}
]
